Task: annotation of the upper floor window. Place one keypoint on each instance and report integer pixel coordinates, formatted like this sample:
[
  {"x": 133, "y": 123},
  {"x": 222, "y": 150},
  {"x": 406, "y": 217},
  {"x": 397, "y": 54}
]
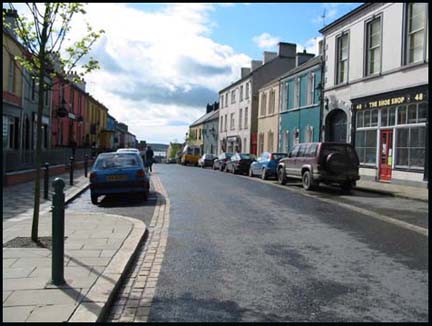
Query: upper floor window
[
  {"x": 233, "y": 96},
  {"x": 232, "y": 121},
  {"x": 247, "y": 91},
  {"x": 226, "y": 99},
  {"x": 272, "y": 101},
  {"x": 373, "y": 46},
  {"x": 240, "y": 118},
  {"x": 221, "y": 124},
  {"x": 33, "y": 88},
  {"x": 246, "y": 118},
  {"x": 342, "y": 59},
  {"x": 416, "y": 37},
  {"x": 221, "y": 100},
  {"x": 263, "y": 103},
  {"x": 241, "y": 93},
  {"x": 226, "y": 118},
  {"x": 11, "y": 80},
  {"x": 311, "y": 88}
]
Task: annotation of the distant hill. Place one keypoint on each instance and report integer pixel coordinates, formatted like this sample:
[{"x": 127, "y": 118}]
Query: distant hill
[{"x": 159, "y": 147}]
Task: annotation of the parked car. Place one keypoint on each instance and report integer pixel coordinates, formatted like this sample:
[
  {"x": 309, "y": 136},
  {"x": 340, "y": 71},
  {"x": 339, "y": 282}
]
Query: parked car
[
  {"x": 128, "y": 150},
  {"x": 206, "y": 160},
  {"x": 190, "y": 155},
  {"x": 116, "y": 172},
  {"x": 265, "y": 165},
  {"x": 239, "y": 163},
  {"x": 221, "y": 161},
  {"x": 329, "y": 163}
]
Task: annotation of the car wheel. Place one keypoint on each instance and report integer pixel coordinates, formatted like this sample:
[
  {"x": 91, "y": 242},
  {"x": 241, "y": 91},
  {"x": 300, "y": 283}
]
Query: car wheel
[
  {"x": 264, "y": 174},
  {"x": 94, "y": 199},
  {"x": 281, "y": 176},
  {"x": 308, "y": 182},
  {"x": 250, "y": 172},
  {"x": 214, "y": 167}
]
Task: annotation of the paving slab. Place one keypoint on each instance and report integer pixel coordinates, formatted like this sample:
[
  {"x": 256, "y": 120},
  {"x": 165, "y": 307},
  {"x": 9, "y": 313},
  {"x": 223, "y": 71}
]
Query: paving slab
[{"x": 91, "y": 280}]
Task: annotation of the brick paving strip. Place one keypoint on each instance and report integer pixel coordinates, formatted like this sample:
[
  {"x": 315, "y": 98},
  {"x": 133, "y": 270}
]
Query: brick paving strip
[{"x": 134, "y": 299}]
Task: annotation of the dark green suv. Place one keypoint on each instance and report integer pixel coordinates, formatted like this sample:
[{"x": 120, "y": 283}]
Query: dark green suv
[{"x": 329, "y": 163}]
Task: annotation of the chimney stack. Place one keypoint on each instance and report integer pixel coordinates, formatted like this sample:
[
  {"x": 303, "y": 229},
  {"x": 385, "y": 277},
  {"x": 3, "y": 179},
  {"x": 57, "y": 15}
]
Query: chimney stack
[
  {"x": 287, "y": 49},
  {"x": 268, "y": 56},
  {"x": 10, "y": 18},
  {"x": 255, "y": 64},
  {"x": 245, "y": 72},
  {"x": 303, "y": 57}
]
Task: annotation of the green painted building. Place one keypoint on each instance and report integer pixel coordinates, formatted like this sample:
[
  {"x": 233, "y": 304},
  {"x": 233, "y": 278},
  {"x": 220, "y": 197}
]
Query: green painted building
[{"x": 300, "y": 105}]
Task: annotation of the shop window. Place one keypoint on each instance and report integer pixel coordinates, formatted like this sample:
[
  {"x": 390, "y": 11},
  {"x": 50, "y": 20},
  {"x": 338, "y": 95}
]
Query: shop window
[
  {"x": 374, "y": 117},
  {"x": 360, "y": 121},
  {"x": 412, "y": 113},
  {"x": 410, "y": 147},
  {"x": 392, "y": 116},
  {"x": 422, "y": 112},
  {"x": 402, "y": 113},
  {"x": 366, "y": 146},
  {"x": 367, "y": 115},
  {"x": 384, "y": 117}
]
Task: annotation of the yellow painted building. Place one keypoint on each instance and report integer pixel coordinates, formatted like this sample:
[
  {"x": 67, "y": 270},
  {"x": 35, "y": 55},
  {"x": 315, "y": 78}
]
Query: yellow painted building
[{"x": 96, "y": 117}]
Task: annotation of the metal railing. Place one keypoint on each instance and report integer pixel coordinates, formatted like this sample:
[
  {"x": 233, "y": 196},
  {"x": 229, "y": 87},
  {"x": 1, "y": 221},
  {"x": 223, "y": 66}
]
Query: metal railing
[{"x": 14, "y": 160}]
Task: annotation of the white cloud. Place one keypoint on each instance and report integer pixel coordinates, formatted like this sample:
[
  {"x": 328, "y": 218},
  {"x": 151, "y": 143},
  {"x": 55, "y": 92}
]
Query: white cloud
[
  {"x": 143, "y": 54},
  {"x": 310, "y": 45},
  {"x": 266, "y": 41}
]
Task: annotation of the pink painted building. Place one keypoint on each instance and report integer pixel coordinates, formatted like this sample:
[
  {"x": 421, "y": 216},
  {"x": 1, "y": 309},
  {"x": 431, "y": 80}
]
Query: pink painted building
[{"x": 69, "y": 127}]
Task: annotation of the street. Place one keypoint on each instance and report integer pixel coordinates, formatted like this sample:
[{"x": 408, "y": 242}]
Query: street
[{"x": 241, "y": 249}]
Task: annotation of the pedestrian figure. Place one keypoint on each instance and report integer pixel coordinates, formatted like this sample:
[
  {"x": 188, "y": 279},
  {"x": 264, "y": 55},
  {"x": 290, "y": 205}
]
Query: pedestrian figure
[{"x": 149, "y": 157}]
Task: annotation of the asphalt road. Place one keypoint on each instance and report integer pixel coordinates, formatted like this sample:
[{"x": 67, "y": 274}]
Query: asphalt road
[{"x": 242, "y": 250}]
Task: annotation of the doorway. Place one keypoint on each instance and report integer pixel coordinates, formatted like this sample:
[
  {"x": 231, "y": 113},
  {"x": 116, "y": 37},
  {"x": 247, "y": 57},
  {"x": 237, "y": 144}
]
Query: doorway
[
  {"x": 386, "y": 155},
  {"x": 336, "y": 126}
]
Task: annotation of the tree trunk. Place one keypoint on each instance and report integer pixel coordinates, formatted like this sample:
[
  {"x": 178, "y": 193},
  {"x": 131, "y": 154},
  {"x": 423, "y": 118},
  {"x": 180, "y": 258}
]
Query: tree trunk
[{"x": 41, "y": 75}]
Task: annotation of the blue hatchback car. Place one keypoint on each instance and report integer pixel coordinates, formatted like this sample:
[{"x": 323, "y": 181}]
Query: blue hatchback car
[
  {"x": 265, "y": 165},
  {"x": 114, "y": 173}
]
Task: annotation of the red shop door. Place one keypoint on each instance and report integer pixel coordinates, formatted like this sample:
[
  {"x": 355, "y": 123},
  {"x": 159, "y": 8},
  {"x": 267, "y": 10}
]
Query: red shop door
[{"x": 386, "y": 155}]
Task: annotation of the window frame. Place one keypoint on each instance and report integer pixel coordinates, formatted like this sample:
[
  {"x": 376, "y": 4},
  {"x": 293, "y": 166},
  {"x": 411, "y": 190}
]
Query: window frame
[
  {"x": 337, "y": 59},
  {"x": 405, "y": 36},
  {"x": 246, "y": 118},
  {"x": 367, "y": 50}
]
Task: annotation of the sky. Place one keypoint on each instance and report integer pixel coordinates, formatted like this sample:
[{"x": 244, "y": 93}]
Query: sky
[{"x": 161, "y": 63}]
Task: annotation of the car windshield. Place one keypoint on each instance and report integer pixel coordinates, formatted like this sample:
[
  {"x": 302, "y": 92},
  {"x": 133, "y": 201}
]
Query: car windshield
[
  {"x": 245, "y": 156},
  {"x": 116, "y": 161},
  {"x": 209, "y": 156},
  {"x": 228, "y": 155},
  {"x": 278, "y": 156}
]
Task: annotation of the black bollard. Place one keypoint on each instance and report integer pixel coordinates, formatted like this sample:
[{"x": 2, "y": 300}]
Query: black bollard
[
  {"x": 58, "y": 230},
  {"x": 85, "y": 165},
  {"x": 71, "y": 159},
  {"x": 46, "y": 180}
]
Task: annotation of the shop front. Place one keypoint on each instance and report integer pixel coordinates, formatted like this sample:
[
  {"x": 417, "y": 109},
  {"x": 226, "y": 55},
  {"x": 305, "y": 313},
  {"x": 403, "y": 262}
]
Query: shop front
[{"x": 391, "y": 132}]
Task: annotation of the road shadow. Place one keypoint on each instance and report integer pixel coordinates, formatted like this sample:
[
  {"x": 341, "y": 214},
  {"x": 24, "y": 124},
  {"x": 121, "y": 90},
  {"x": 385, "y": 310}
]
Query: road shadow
[{"x": 129, "y": 200}]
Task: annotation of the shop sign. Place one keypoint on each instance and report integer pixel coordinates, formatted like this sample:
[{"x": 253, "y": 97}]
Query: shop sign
[{"x": 390, "y": 99}]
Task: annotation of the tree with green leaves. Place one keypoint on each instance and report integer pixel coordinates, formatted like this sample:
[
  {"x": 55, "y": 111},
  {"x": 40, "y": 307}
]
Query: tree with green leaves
[{"x": 43, "y": 33}]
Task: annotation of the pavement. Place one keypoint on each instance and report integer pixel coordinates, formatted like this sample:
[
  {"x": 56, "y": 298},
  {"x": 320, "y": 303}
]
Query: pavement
[
  {"x": 99, "y": 250},
  {"x": 416, "y": 193}
]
